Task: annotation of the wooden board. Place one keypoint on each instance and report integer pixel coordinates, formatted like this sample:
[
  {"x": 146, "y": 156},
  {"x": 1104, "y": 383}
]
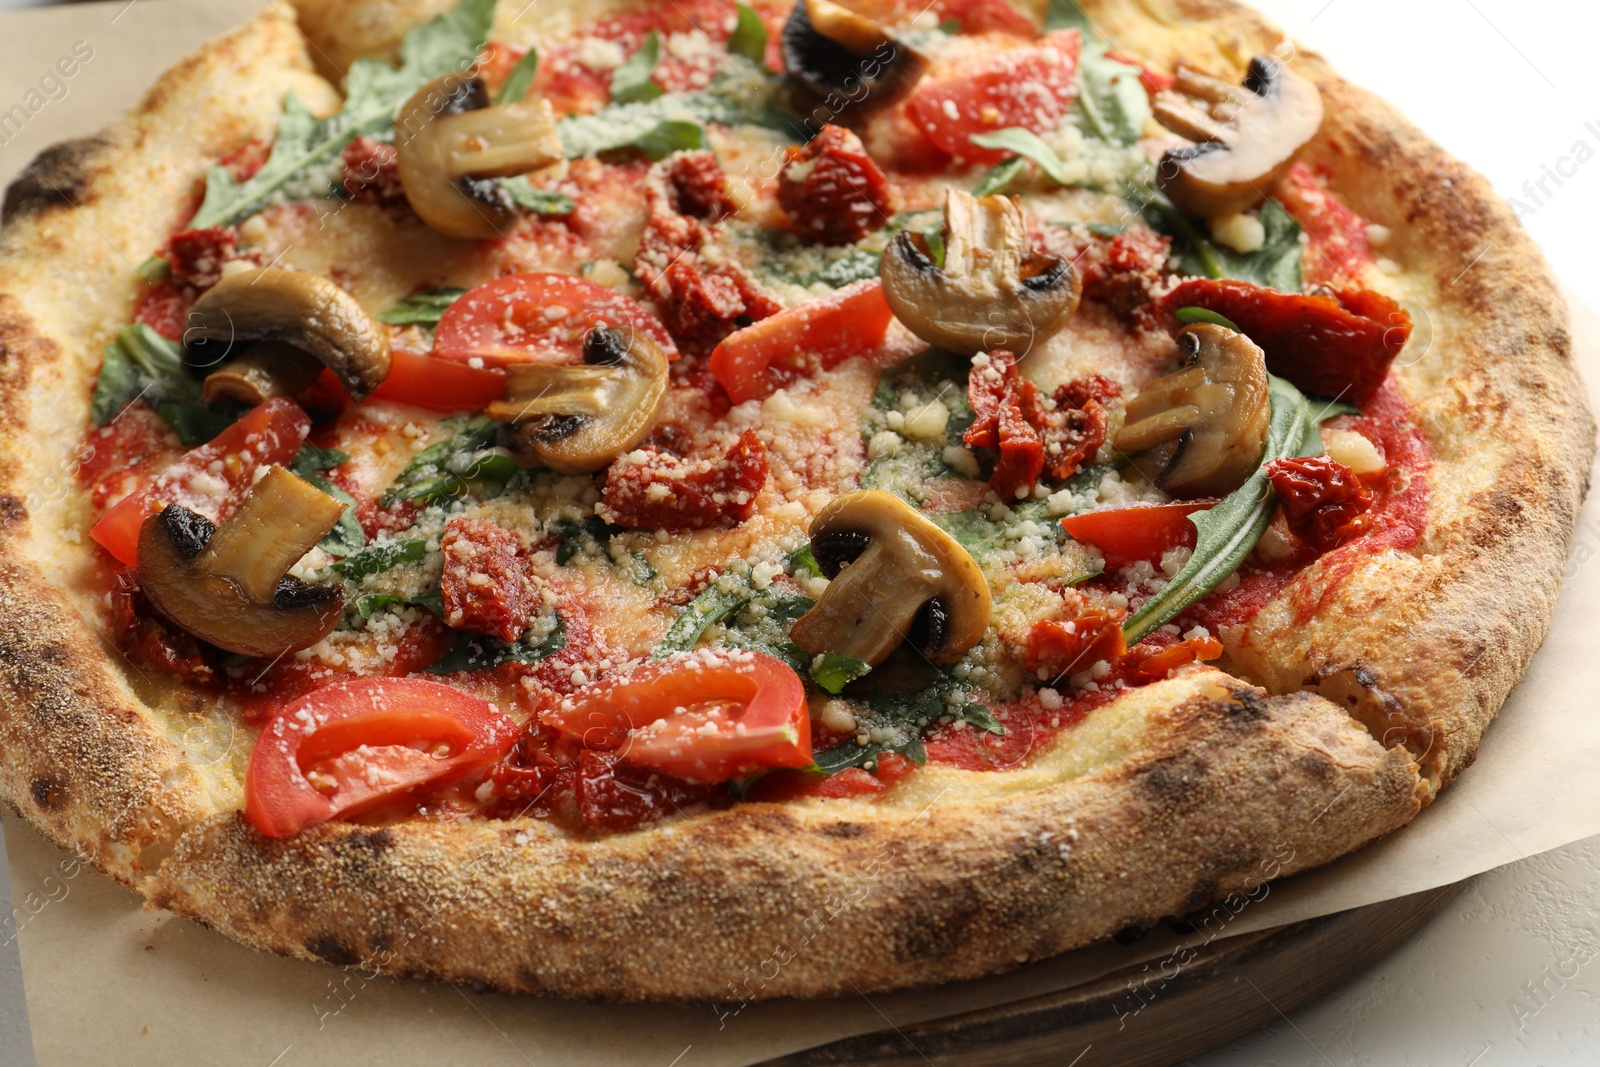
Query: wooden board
[{"x": 1208, "y": 1003}]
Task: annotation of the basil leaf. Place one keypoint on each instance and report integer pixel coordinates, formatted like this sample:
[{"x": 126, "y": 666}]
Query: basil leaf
[
  {"x": 700, "y": 614},
  {"x": 474, "y": 652},
  {"x": 1111, "y": 97},
  {"x": 1190, "y": 316},
  {"x": 833, "y": 672},
  {"x": 538, "y": 201},
  {"x": 1027, "y": 144},
  {"x": 999, "y": 176},
  {"x": 371, "y": 604},
  {"x": 379, "y": 557},
  {"x": 665, "y": 138},
  {"x": 515, "y": 88},
  {"x": 420, "y": 308},
  {"x": 1277, "y": 264},
  {"x": 975, "y": 714},
  {"x": 1066, "y": 15},
  {"x": 1227, "y": 533},
  {"x": 630, "y": 82},
  {"x": 374, "y": 90},
  {"x": 749, "y": 37},
  {"x": 140, "y": 364},
  {"x": 450, "y": 467}
]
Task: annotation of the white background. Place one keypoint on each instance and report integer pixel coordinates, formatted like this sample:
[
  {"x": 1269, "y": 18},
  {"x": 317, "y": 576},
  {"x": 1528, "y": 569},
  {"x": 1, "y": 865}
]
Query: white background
[{"x": 1509, "y": 86}]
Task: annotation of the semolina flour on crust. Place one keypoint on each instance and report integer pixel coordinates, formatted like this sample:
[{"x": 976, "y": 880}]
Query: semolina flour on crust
[{"x": 1330, "y": 731}]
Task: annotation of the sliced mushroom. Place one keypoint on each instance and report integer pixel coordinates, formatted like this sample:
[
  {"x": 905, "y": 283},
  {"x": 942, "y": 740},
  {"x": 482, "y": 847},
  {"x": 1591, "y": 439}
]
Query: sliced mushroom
[
  {"x": 227, "y": 584},
  {"x": 578, "y": 418},
  {"x": 450, "y": 145},
  {"x": 1203, "y": 427},
  {"x": 302, "y": 310},
  {"x": 265, "y": 370},
  {"x": 1246, "y": 138},
  {"x": 896, "y": 577},
  {"x": 849, "y": 62},
  {"x": 992, "y": 291}
]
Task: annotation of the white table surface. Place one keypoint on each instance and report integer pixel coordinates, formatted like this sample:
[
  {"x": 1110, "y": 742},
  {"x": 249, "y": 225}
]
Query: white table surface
[{"x": 1509, "y": 973}]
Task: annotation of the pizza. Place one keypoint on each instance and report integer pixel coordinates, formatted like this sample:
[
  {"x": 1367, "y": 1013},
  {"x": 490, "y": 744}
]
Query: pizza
[{"x": 687, "y": 500}]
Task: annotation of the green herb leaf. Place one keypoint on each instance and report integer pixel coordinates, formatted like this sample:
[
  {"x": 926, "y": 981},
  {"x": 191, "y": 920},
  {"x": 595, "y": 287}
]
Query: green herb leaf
[
  {"x": 1277, "y": 264},
  {"x": 850, "y": 754},
  {"x": 672, "y": 122},
  {"x": 379, "y": 557},
  {"x": 346, "y": 538},
  {"x": 749, "y": 37},
  {"x": 801, "y": 559},
  {"x": 630, "y": 82},
  {"x": 196, "y": 423},
  {"x": 459, "y": 464},
  {"x": 1066, "y": 15},
  {"x": 1111, "y": 97},
  {"x": 1332, "y": 409},
  {"x": 665, "y": 138},
  {"x": 474, "y": 652},
  {"x": 139, "y": 364},
  {"x": 1228, "y": 532},
  {"x": 833, "y": 672},
  {"x": 700, "y": 614},
  {"x": 420, "y": 308},
  {"x": 515, "y": 88},
  {"x": 371, "y": 604},
  {"x": 999, "y": 176},
  {"x": 1190, "y": 316},
  {"x": 1026, "y": 143},
  {"x": 373, "y": 92},
  {"x": 154, "y": 269},
  {"x": 538, "y": 201}
]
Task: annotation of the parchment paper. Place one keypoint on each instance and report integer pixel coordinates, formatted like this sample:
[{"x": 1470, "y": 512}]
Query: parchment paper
[{"x": 110, "y": 982}]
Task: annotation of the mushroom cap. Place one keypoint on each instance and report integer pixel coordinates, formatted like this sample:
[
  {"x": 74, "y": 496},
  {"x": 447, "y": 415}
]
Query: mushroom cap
[
  {"x": 992, "y": 291},
  {"x": 1205, "y": 425},
  {"x": 304, "y": 310},
  {"x": 847, "y": 61},
  {"x": 894, "y": 573},
  {"x": 1230, "y": 164}
]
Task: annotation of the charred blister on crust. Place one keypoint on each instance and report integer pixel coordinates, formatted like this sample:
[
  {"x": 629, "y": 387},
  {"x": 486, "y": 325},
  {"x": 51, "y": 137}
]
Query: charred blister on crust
[{"x": 62, "y": 176}]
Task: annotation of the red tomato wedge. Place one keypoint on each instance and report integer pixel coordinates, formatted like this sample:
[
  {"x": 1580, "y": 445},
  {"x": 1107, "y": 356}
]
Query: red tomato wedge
[
  {"x": 537, "y": 318},
  {"x": 1128, "y": 535},
  {"x": 439, "y": 384},
  {"x": 708, "y": 716},
  {"x": 1030, "y": 87},
  {"x": 834, "y": 328},
  {"x": 345, "y": 748},
  {"x": 210, "y": 479}
]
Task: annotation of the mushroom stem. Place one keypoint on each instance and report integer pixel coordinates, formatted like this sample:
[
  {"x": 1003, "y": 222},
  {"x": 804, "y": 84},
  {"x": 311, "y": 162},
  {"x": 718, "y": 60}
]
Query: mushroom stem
[
  {"x": 265, "y": 370},
  {"x": 279, "y": 521},
  {"x": 872, "y": 604}
]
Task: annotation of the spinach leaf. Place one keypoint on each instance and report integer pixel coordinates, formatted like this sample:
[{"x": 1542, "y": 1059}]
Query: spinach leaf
[
  {"x": 1228, "y": 532},
  {"x": 474, "y": 652},
  {"x": 782, "y": 609},
  {"x": 374, "y": 90},
  {"x": 929, "y": 705},
  {"x": 630, "y": 82},
  {"x": 346, "y": 538},
  {"x": 1027, "y": 144},
  {"x": 538, "y": 201},
  {"x": 196, "y": 423},
  {"x": 379, "y": 557},
  {"x": 140, "y": 364},
  {"x": 370, "y": 604},
  {"x": 420, "y": 308},
  {"x": 1111, "y": 97},
  {"x": 749, "y": 37},
  {"x": 700, "y": 614},
  {"x": 850, "y": 754},
  {"x": 1277, "y": 264},
  {"x": 515, "y": 88},
  {"x": 461, "y": 463},
  {"x": 572, "y": 535},
  {"x": 801, "y": 559},
  {"x": 833, "y": 672}
]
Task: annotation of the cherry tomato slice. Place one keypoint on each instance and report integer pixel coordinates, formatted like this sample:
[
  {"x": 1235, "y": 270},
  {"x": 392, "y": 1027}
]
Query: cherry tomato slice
[
  {"x": 345, "y": 748},
  {"x": 537, "y": 318},
  {"x": 210, "y": 479},
  {"x": 834, "y": 328},
  {"x": 706, "y": 716},
  {"x": 1128, "y": 535},
  {"x": 1030, "y": 87}
]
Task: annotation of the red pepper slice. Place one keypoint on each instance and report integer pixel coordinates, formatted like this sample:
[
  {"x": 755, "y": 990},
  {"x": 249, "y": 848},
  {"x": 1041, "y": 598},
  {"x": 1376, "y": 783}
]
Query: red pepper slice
[
  {"x": 350, "y": 746},
  {"x": 1143, "y": 532},
  {"x": 1332, "y": 346}
]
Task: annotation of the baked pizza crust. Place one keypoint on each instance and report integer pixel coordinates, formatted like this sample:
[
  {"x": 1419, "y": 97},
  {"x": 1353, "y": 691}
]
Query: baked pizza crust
[{"x": 1173, "y": 796}]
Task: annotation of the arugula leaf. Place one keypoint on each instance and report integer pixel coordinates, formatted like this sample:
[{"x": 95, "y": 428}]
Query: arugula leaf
[
  {"x": 1111, "y": 97},
  {"x": 474, "y": 652},
  {"x": 154, "y": 269},
  {"x": 1190, "y": 316},
  {"x": 572, "y": 534},
  {"x": 1277, "y": 264},
  {"x": 140, "y": 364},
  {"x": 782, "y": 609},
  {"x": 370, "y": 604},
  {"x": 999, "y": 176},
  {"x": 1066, "y": 15},
  {"x": 630, "y": 82},
  {"x": 749, "y": 37},
  {"x": 1228, "y": 532},
  {"x": 379, "y": 557},
  {"x": 712, "y": 606},
  {"x": 538, "y": 201},
  {"x": 515, "y": 88},
  {"x": 373, "y": 92},
  {"x": 850, "y": 754},
  {"x": 461, "y": 463},
  {"x": 671, "y": 122},
  {"x": 1026, "y": 143},
  {"x": 347, "y": 537},
  {"x": 420, "y": 308},
  {"x": 802, "y": 559},
  {"x": 833, "y": 672}
]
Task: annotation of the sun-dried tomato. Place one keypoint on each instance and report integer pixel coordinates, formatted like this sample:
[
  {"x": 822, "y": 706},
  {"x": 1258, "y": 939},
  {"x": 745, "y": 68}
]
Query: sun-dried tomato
[
  {"x": 148, "y": 641},
  {"x": 371, "y": 171},
  {"x": 699, "y": 303},
  {"x": 1122, "y": 272},
  {"x": 1006, "y": 407},
  {"x": 485, "y": 582},
  {"x": 1337, "y": 345},
  {"x": 649, "y": 489},
  {"x": 1076, "y": 428},
  {"x": 1068, "y": 646},
  {"x": 1324, "y": 501},
  {"x": 613, "y": 794},
  {"x": 832, "y": 190},
  {"x": 1157, "y": 665},
  {"x": 196, "y": 256}
]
